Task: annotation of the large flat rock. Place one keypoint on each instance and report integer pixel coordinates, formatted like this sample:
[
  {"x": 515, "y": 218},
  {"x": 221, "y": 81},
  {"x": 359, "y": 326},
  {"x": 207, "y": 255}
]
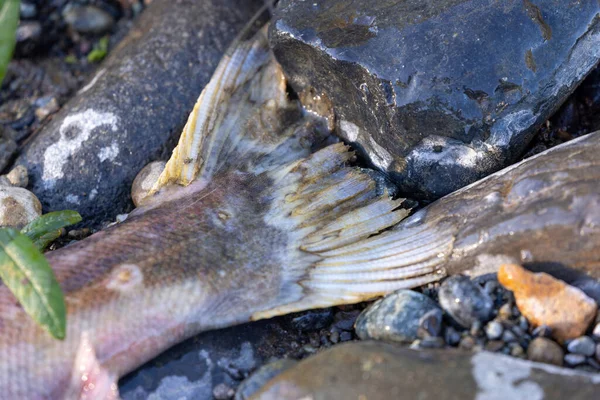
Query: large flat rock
[
  {"x": 132, "y": 111},
  {"x": 438, "y": 93},
  {"x": 377, "y": 371}
]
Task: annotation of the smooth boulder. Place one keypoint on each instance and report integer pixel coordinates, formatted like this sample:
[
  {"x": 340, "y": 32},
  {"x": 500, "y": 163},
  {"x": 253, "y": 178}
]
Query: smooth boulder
[
  {"x": 438, "y": 93},
  {"x": 378, "y": 371},
  {"x": 132, "y": 110}
]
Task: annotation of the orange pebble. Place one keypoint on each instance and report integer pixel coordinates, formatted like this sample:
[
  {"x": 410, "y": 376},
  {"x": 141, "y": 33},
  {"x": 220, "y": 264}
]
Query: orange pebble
[{"x": 545, "y": 300}]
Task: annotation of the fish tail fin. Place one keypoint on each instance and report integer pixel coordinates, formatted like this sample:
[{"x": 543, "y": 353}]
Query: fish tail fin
[
  {"x": 241, "y": 120},
  {"x": 345, "y": 241}
]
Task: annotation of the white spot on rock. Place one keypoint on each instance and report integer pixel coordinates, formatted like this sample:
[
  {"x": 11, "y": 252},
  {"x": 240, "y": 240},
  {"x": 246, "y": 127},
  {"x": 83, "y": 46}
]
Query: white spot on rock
[
  {"x": 125, "y": 277},
  {"x": 93, "y": 194},
  {"x": 72, "y": 198},
  {"x": 499, "y": 378},
  {"x": 350, "y": 130},
  {"x": 109, "y": 153},
  {"x": 74, "y": 130}
]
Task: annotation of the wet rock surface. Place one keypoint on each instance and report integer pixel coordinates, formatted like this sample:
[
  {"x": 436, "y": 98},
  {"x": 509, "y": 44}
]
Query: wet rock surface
[
  {"x": 438, "y": 94},
  {"x": 382, "y": 371},
  {"x": 132, "y": 109},
  {"x": 395, "y": 318}
]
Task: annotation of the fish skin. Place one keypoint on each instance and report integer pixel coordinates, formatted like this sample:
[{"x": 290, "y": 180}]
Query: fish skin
[{"x": 223, "y": 250}]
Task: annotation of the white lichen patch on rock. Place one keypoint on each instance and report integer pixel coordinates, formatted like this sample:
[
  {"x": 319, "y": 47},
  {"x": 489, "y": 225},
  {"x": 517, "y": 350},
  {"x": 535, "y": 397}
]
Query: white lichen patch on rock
[
  {"x": 72, "y": 198},
  {"x": 109, "y": 153},
  {"x": 18, "y": 207},
  {"x": 74, "y": 131}
]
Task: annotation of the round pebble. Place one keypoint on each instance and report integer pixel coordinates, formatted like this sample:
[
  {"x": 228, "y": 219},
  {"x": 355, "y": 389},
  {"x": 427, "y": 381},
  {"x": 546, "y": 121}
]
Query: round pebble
[
  {"x": 394, "y": 318},
  {"x": 145, "y": 180},
  {"x": 516, "y": 350},
  {"x": 18, "y": 176},
  {"x": 88, "y": 19},
  {"x": 467, "y": 343},
  {"x": 508, "y": 336},
  {"x": 574, "y": 359},
  {"x": 582, "y": 345},
  {"x": 494, "y": 330},
  {"x": 451, "y": 336},
  {"x": 18, "y": 207},
  {"x": 596, "y": 331},
  {"x": 223, "y": 392},
  {"x": 465, "y": 301}
]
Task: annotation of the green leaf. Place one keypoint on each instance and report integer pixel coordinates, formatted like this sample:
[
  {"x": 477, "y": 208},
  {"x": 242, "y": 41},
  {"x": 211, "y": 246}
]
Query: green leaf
[
  {"x": 25, "y": 271},
  {"x": 46, "y": 228},
  {"x": 100, "y": 50},
  {"x": 9, "y": 20}
]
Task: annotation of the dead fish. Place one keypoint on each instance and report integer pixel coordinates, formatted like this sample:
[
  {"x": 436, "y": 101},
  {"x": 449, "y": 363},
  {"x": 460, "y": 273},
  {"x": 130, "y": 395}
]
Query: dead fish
[{"x": 265, "y": 226}]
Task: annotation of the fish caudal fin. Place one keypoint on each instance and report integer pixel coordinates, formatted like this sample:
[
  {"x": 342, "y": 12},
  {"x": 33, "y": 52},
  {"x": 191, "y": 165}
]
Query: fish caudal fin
[
  {"x": 343, "y": 247},
  {"x": 241, "y": 116}
]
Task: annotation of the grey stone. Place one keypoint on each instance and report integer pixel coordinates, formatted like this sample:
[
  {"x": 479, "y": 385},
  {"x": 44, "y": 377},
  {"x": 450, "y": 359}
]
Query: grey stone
[
  {"x": 395, "y": 317},
  {"x": 8, "y": 147},
  {"x": 574, "y": 360},
  {"x": 430, "y": 324},
  {"x": 451, "y": 336},
  {"x": 261, "y": 376},
  {"x": 132, "y": 110},
  {"x": 465, "y": 301},
  {"x": 313, "y": 320},
  {"x": 27, "y": 10},
  {"x": 190, "y": 370},
  {"x": 88, "y": 19},
  {"x": 546, "y": 351},
  {"x": 380, "y": 371},
  {"x": 494, "y": 330},
  {"x": 582, "y": 345},
  {"x": 438, "y": 93}
]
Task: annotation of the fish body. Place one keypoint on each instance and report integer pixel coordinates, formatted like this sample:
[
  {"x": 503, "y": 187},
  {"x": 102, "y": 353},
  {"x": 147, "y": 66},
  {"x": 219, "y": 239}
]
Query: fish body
[{"x": 253, "y": 216}]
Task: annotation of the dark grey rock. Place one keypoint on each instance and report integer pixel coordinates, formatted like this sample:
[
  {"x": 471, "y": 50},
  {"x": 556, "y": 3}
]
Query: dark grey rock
[
  {"x": 345, "y": 336},
  {"x": 546, "y": 351},
  {"x": 88, "y": 19},
  {"x": 394, "y": 318},
  {"x": 133, "y": 109},
  {"x": 582, "y": 345},
  {"x": 465, "y": 301},
  {"x": 451, "y": 336},
  {"x": 508, "y": 336},
  {"x": 8, "y": 147},
  {"x": 28, "y": 37},
  {"x": 380, "y": 371},
  {"x": 27, "y": 10},
  {"x": 432, "y": 342},
  {"x": 313, "y": 320},
  {"x": 261, "y": 376},
  {"x": 494, "y": 330},
  {"x": 438, "y": 93},
  {"x": 430, "y": 324},
  {"x": 344, "y": 320},
  {"x": 192, "y": 369}
]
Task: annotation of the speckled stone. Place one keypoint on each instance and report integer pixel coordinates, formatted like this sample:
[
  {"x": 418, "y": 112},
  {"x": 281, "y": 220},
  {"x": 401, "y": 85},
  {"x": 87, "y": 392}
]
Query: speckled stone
[
  {"x": 465, "y": 301},
  {"x": 494, "y": 330},
  {"x": 18, "y": 207},
  {"x": 394, "y": 318},
  {"x": 380, "y": 371},
  {"x": 546, "y": 351}
]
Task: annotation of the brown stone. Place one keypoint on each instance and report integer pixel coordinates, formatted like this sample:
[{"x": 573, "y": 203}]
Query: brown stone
[
  {"x": 545, "y": 300},
  {"x": 545, "y": 351}
]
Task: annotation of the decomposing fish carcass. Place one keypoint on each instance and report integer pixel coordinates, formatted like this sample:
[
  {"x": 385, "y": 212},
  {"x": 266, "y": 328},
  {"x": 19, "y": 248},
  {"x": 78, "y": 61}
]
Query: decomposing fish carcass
[
  {"x": 264, "y": 227},
  {"x": 254, "y": 216}
]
